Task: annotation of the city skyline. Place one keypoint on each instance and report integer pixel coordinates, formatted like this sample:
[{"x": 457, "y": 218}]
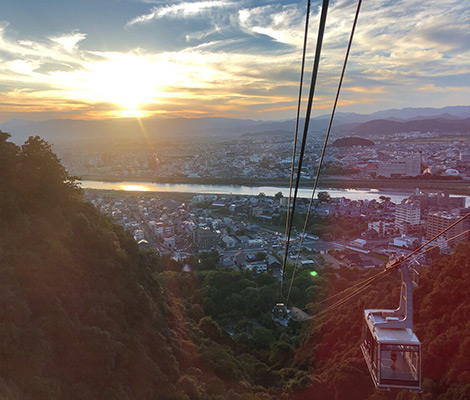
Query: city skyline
[{"x": 129, "y": 58}]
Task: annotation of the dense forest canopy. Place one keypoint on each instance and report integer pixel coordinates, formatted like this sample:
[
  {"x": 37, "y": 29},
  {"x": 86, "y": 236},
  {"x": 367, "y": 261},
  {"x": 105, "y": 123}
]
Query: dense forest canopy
[{"x": 86, "y": 315}]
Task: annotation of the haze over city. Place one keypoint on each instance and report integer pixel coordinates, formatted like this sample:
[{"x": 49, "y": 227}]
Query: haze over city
[{"x": 141, "y": 58}]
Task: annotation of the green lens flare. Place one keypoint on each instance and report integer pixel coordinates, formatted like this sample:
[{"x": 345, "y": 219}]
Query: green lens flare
[{"x": 313, "y": 273}]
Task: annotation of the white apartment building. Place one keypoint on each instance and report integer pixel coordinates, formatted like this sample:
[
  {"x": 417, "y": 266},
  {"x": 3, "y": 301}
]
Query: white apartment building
[{"x": 407, "y": 217}]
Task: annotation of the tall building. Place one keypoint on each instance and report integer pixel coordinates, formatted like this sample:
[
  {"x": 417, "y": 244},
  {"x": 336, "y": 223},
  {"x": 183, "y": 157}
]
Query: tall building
[
  {"x": 402, "y": 166},
  {"x": 407, "y": 217},
  {"x": 440, "y": 220}
]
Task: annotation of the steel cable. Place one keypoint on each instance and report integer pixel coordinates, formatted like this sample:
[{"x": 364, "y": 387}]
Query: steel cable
[{"x": 325, "y": 144}]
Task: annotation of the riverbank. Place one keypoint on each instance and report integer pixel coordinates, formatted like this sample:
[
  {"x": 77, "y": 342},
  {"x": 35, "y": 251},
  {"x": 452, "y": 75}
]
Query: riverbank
[
  {"x": 456, "y": 187},
  {"x": 180, "y": 196}
]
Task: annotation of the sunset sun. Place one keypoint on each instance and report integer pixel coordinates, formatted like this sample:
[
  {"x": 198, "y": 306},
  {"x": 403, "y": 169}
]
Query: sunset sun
[{"x": 129, "y": 83}]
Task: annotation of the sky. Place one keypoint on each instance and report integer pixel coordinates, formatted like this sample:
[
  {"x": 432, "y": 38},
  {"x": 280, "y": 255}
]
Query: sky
[{"x": 95, "y": 59}]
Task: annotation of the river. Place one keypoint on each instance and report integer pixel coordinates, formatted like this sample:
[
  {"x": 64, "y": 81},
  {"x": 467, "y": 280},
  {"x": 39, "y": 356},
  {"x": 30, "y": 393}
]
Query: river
[{"x": 353, "y": 194}]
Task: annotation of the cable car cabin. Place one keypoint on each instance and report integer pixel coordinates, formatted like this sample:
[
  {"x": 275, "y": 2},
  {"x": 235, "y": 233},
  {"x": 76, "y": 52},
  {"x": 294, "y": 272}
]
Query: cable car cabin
[
  {"x": 281, "y": 313},
  {"x": 391, "y": 350},
  {"x": 393, "y": 356}
]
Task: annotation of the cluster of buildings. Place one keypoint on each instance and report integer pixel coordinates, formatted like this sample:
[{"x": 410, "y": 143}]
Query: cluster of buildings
[
  {"x": 416, "y": 220},
  {"x": 158, "y": 223},
  {"x": 240, "y": 228},
  {"x": 268, "y": 158},
  {"x": 426, "y": 215},
  {"x": 405, "y": 156},
  {"x": 237, "y": 158}
]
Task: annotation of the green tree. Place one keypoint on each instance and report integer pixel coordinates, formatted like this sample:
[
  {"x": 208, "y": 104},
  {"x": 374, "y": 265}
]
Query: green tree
[
  {"x": 41, "y": 178},
  {"x": 210, "y": 328},
  {"x": 220, "y": 359},
  {"x": 324, "y": 196},
  {"x": 263, "y": 337},
  {"x": 8, "y": 165},
  {"x": 208, "y": 260}
]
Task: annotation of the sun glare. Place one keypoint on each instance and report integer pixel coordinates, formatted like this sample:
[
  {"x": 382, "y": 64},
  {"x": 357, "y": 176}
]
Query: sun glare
[
  {"x": 137, "y": 84},
  {"x": 133, "y": 113},
  {"x": 134, "y": 188},
  {"x": 127, "y": 80},
  {"x": 129, "y": 83}
]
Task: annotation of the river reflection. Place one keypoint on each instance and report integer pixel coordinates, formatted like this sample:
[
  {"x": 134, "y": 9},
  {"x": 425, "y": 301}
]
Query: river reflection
[
  {"x": 354, "y": 194},
  {"x": 133, "y": 188}
]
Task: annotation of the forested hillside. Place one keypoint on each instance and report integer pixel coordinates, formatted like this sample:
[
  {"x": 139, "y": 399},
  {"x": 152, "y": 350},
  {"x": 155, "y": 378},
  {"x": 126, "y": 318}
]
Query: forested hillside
[
  {"x": 82, "y": 315},
  {"x": 85, "y": 315}
]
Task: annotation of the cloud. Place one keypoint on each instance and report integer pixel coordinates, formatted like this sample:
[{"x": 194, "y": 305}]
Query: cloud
[
  {"x": 224, "y": 82},
  {"x": 283, "y": 23},
  {"x": 41, "y": 52},
  {"x": 179, "y": 11},
  {"x": 22, "y": 67},
  {"x": 243, "y": 58},
  {"x": 69, "y": 42}
]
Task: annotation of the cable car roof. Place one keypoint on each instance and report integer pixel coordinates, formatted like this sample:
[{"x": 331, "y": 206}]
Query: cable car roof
[
  {"x": 388, "y": 335},
  {"x": 396, "y": 336}
]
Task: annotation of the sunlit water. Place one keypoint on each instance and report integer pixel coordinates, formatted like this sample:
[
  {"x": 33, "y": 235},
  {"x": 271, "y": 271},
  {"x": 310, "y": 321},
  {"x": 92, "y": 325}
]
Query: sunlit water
[{"x": 354, "y": 194}]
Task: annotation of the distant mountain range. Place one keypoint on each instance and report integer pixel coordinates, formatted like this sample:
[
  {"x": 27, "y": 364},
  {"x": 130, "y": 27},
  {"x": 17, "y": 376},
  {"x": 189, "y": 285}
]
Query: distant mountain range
[
  {"x": 448, "y": 119},
  {"x": 441, "y": 125}
]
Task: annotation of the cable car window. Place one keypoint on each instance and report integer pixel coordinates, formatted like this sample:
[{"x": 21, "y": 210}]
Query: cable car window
[{"x": 399, "y": 364}]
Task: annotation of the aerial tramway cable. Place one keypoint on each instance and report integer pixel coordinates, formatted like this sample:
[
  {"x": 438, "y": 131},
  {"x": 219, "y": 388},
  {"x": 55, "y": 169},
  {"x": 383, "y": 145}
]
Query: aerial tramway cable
[
  {"x": 294, "y": 147},
  {"x": 327, "y": 135},
  {"x": 352, "y": 291},
  {"x": 321, "y": 31},
  {"x": 433, "y": 238},
  {"x": 440, "y": 244},
  {"x": 363, "y": 285},
  {"x": 357, "y": 285}
]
